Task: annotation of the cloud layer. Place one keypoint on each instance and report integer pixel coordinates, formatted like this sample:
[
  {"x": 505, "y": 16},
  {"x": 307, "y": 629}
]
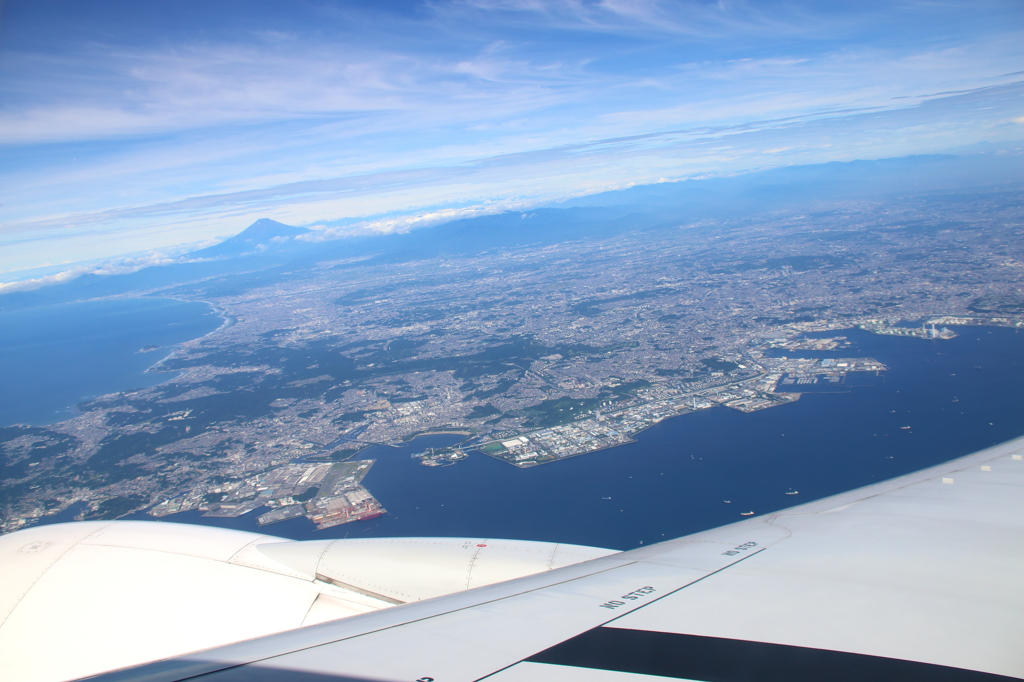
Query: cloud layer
[{"x": 135, "y": 126}]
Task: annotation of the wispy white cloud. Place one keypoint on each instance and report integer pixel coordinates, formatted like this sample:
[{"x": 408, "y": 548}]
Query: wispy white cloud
[
  {"x": 687, "y": 18},
  {"x": 39, "y": 282},
  {"x": 406, "y": 223},
  {"x": 116, "y": 266},
  {"x": 354, "y": 114}
]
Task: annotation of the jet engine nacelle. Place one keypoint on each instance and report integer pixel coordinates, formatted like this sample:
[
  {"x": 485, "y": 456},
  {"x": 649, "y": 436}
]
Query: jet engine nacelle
[{"x": 119, "y": 593}]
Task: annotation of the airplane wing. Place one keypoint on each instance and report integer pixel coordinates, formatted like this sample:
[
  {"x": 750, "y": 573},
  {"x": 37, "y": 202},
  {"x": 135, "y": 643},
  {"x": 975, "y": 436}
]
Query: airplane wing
[{"x": 916, "y": 578}]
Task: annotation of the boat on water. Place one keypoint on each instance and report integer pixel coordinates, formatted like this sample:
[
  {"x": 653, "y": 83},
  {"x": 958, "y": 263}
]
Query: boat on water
[
  {"x": 750, "y": 513},
  {"x": 606, "y": 498},
  {"x": 793, "y": 492}
]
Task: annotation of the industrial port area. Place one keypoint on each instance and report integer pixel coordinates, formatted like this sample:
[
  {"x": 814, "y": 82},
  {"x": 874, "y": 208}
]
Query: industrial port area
[
  {"x": 776, "y": 381},
  {"x": 328, "y": 494}
]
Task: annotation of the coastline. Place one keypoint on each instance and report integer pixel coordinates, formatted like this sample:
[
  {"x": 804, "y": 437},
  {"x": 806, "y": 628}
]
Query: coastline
[
  {"x": 226, "y": 322},
  {"x": 673, "y": 478}
]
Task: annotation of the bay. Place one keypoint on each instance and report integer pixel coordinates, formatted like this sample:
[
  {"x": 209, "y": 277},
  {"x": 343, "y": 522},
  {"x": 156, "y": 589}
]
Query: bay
[
  {"x": 703, "y": 470},
  {"x": 54, "y": 357}
]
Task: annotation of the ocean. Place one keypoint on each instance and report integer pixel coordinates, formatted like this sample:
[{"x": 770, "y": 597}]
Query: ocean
[
  {"x": 54, "y": 357},
  {"x": 702, "y": 470}
]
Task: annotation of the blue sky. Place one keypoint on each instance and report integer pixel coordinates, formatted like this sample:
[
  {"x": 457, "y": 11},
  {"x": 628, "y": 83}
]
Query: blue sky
[{"x": 139, "y": 127}]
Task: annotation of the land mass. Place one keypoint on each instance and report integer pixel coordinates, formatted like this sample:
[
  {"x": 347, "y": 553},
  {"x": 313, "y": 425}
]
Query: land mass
[{"x": 537, "y": 352}]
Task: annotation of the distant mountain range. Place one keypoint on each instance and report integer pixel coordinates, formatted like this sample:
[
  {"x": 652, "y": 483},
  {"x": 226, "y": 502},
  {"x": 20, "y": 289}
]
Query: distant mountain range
[
  {"x": 267, "y": 250},
  {"x": 263, "y": 236}
]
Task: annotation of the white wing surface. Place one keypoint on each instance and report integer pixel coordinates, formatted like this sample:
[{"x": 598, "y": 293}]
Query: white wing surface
[{"x": 917, "y": 578}]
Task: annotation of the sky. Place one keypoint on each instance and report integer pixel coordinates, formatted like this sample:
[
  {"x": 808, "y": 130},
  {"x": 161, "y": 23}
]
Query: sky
[{"x": 131, "y": 132}]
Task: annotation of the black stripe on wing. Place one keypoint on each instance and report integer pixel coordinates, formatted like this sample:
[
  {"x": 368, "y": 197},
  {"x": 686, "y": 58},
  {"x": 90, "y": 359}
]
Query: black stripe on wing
[{"x": 712, "y": 659}]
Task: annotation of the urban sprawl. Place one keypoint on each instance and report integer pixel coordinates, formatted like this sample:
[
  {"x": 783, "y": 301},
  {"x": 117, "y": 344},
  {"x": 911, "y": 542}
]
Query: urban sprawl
[{"x": 535, "y": 354}]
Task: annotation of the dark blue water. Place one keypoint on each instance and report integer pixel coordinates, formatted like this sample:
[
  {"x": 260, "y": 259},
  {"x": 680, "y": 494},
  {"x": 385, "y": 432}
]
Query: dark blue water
[
  {"x": 53, "y": 357},
  {"x": 673, "y": 481}
]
